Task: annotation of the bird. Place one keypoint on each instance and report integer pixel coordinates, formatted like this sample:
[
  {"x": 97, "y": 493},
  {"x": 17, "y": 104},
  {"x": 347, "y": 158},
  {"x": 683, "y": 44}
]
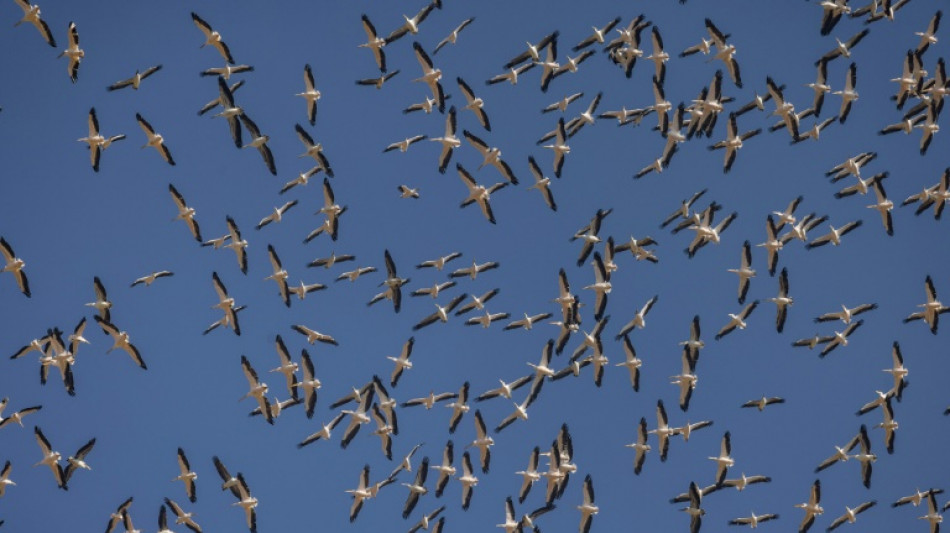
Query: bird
[
  {"x": 73, "y": 52},
  {"x": 187, "y": 476},
  {"x": 50, "y": 458},
  {"x": 226, "y": 304},
  {"x": 754, "y": 520},
  {"x": 31, "y": 14},
  {"x": 846, "y": 314},
  {"x": 527, "y": 323},
  {"x": 313, "y": 335},
  {"x": 449, "y": 142},
  {"x": 324, "y": 432},
  {"x": 468, "y": 481},
  {"x": 5, "y": 480},
  {"x": 898, "y": 371},
  {"x": 416, "y": 488},
  {"x": 561, "y": 105},
  {"x": 18, "y": 415},
  {"x": 812, "y": 507},
  {"x": 478, "y": 193},
  {"x": 476, "y": 104},
  {"x": 280, "y": 276},
  {"x": 74, "y": 462},
  {"x": 844, "y": 48},
  {"x": 181, "y": 517},
  {"x": 478, "y": 302},
  {"x": 929, "y": 127},
  {"x": 259, "y": 141},
  {"x": 838, "y": 339},
  {"x": 932, "y": 516},
  {"x": 310, "y": 94},
  {"x": 377, "y": 82},
  {"x": 314, "y": 150},
  {"x": 734, "y": 141},
  {"x": 102, "y": 305},
  {"x": 560, "y": 147},
  {"x": 663, "y": 431},
  {"x": 849, "y": 94},
  {"x": 121, "y": 340},
  {"x": 402, "y": 361},
  {"x": 14, "y": 265},
  {"x": 374, "y": 42},
  {"x": 587, "y": 508},
  {"x": 403, "y": 145},
  {"x": 506, "y": 388},
  {"x": 763, "y": 401},
  {"x": 725, "y": 52},
  {"x": 490, "y": 156},
  {"x": 446, "y": 470},
  {"x": 694, "y": 510},
  {"x": 724, "y": 460},
  {"x": 406, "y": 192},
  {"x": 453, "y": 37},
  {"x": 212, "y": 37},
  {"x": 483, "y": 442},
  {"x": 230, "y": 111},
  {"x": 834, "y": 236},
  {"x": 136, "y": 80},
  {"x": 850, "y": 515},
  {"x": 598, "y": 36},
  {"x": 694, "y": 343},
  {"x": 247, "y": 502},
  {"x": 149, "y": 279},
  {"x": 227, "y": 70},
  {"x": 258, "y": 389},
  {"x": 511, "y": 76},
  {"x": 411, "y": 25},
  {"x": 95, "y": 141},
  {"x": 277, "y": 215},
  {"x": 185, "y": 213},
  {"x": 782, "y": 301},
  {"x": 745, "y": 271}
]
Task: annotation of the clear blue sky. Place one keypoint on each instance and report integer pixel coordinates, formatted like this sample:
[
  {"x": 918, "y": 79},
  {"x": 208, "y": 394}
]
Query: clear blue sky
[{"x": 70, "y": 224}]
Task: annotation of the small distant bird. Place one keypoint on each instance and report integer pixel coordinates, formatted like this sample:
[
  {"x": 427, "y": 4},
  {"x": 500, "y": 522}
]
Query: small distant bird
[
  {"x": 227, "y": 70},
  {"x": 121, "y": 340},
  {"x": 212, "y": 37},
  {"x": 407, "y": 192},
  {"x": 149, "y": 279},
  {"x": 850, "y": 515},
  {"x": 377, "y": 82},
  {"x": 375, "y": 43},
  {"x": 97, "y": 142},
  {"x": 187, "y": 476},
  {"x": 182, "y": 517},
  {"x": 154, "y": 139},
  {"x": 277, "y": 215},
  {"x": 453, "y": 37},
  {"x": 230, "y": 111},
  {"x": 763, "y": 401},
  {"x": 812, "y": 507},
  {"x": 313, "y": 335},
  {"x": 310, "y": 94},
  {"x": 476, "y": 104},
  {"x": 411, "y": 25},
  {"x": 15, "y": 265},
  {"x": 185, "y": 212},
  {"x": 754, "y": 520},
  {"x": 136, "y": 80},
  {"x": 259, "y": 141},
  {"x": 50, "y": 458},
  {"x": 403, "y": 145}
]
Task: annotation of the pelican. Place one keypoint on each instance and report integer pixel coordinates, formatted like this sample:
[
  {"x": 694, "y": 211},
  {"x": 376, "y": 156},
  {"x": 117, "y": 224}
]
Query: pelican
[
  {"x": 226, "y": 303},
  {"x": 227, "y": 70},
  {"x": 121, "y": 340},
  {"x": 932, "y": 515},
  {"x": 439, "y": 263},
  {"x": 820, "y": 87},
  {"x": 483, "y": 442},
  {"x": 324, "y": 432},
  {"x": 182, "y": 517},
  {"x": 430, "y": 75},
  {"x": 73, "y": 52},
  {"x": 587, "y": 508},
  {"x": 446, "y": 470},
  {"x": 185, "y": 212},
  {"x": 663, "y": 431},
  {"x": 560, "y": 147},
  {"x": 310, "y": 94},
  {"x": 491, "y": 156},
  {"x": 357, "y": 417},
  {"x": 314, "y": 150},
  {"x": 117, "y": 516},
  {"x": 212, "y": 37},
  {"x": 783, "y": 108},
  {"x": 17, "y": 416},
  {"x": 724, "y": 461},
  {"x": 430, "y": 400},
  {"x": 474, "y": 103},
  {"x": 589, "y": 235},
  {"x": 5, "y": 480},
  {"x": 187, "y": 476},
  {"x": 426, "y": 105},
  {"x": 136, "y": 80},
  {"x": 511, "y": 76},
  {"x": 15, "y": 265},
  {"x": 811, "y": 507},
  {"x": 561, "y": 105},
  {"x": 416, "y": 488},
  {"x": 745, "y": 271},
  {"x": 374, "y": 42},
  {"x": 694, "y": 510},
  {"x": 478, "y": 302},
  {"x": 230, "y": 482},
  {"x": 754, "y": 520},
  {"x": 97, "y": 142},
  {"x": 459, "y": 407},
  {"x": 402, "y": 361},
  {"x": 384, "y": 430},
  {"x": 928, "y": 36},
  {"x": 468, "y": 480},
  {"x": 411, "y": 25},
  {"x": 258, "y": 389},
  {"x": 659, "y": 55},
  {"x": 50, "y": 458},
  {"x": 917, "y": 497},
  {"x": 848, "y": 94},
  {"x": 865, "y": 457},
  {"x": 259, "y": 141},
  {"x": 31, "y": 14},
  {"x": 453, "y": 37},
  {"x": 737, "y": 321},
  {"x": 527, "y": 322},
  {"x": 313, "y": 335},
  {"x": 360, "y": 493},
  {"x": 846, "y": 314},
  {"x": 403, "y": 145},
  {"x": 852, "y": 166},
  {"x": 506, "y": 388},
  {"x": 149, "y": 279},
  {"x": 733, "y": 142},
  {"x": 834, "y": 237},
  {"x": 683, "y": 211},
  {"x": 844, "y": 48},
  {"x": 838, "y": 339},
  {"x": 230, "y": 111},
  {"x": 898, "y": 371},
  {"x": 931, "y": 310},
  {"x": 486, "y": 319},
  {"x": 449, "y": 141},
  {"x": 407, "y": 192},
  {"x": 725, "y": 52},
  {"x": 277, "y": 215},
  {"x": 511, "y": 525},
  {"x": 102, "y": 305},
  {"x": 247, "y": 502},
  {"x": 850, "y": 515},
  {"x": 929, "y": 127},
  {"x": 572, "y": 63},
  {"x": 279, "y": 275}
]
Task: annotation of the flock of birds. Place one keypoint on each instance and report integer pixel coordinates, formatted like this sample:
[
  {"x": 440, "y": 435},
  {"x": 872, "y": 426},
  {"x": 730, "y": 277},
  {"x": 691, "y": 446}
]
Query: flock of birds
[{"x": 582, "y": 318}]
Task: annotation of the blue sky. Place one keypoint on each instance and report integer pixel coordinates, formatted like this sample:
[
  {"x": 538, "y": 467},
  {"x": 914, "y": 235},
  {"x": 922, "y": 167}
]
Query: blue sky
[{"x": 70, "y": 224}]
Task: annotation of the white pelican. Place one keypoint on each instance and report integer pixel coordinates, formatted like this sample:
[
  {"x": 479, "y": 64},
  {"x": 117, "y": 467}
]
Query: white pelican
[
  {"x": 453, "y": 37},
  {"x": 258, "y": 389},
  {"x": 848, "y": 94},
  {"x": 907, "y": 125},
  {"x": 782, "y": 301},
  {"x": 745, "y": 270},
  {"x": 377, "y": 82},
  {"x": 834, "y": 237},
  {"x": 846, "y": 314},
  {"x": 17, "y": 416},
  {"x": 230, "y": 111},
  {"x": 403, "y": 145},
  {"x": 212, "y": 37},
  {"x": 102, "y": 304},
  {"x": 384, "y": 430},
  {"x": 5, "y": 480},
  {"x": 324, "y": 432},
  {"x": 820, "y": 87},
  {"x": 117, "y": 516},
  {"x": 852, "y": 166},
  {"x": 754, "y": 520},
  {"x": 459, "y": 407},
  {"x": 478, "y": 302},
  {"x": 121, "y": 340},
  {"x": 402, "y": 362},
  {"x": 427, "y": 519},
  {"x": 416, "y": 488},
  {"x": 663, "y": 431},
  {"x": 931, "y": 310},
  {"x": 185, "y": 212},
  {"x": 706, "y": 233},
  {"x": 572, "y": 63},
  {"x": 328, "y": 262},
  {"x": 149, "y": 279},
  {"x": 533, "y": 53},
  {"x": 302, "y": 179},
  {"x": 478, "y": 193},
  {"x": 850, "y": 515},
  {"x": 889, "y": 425},
  {"x": 230, "y": 482},
  {"x": 360, "y": 493},
  {"x": 182, "y": 517},
  {"x": 587, "y": 507},
  {"x": 865, "y": 457},
  {"x": 310, "y": 94},
  {"x": 407, "y": 192},
  {"x": 737, "y": 321},
  {"x": 929, "y": 127},
  {"x": 844, "y": 48},
  {"x": 468, "y": 481},
  {"x": 313, "y": 335},
  {"x": 259, "y": 141},
  {"x": 357, "y": 417},
  {"x": 374, "y": 42},
  {"x": 932, "y": 516},
  {"x": 586, "y": 117},
  {"x": 601, "y": 286},
  {"x": 898, "y": 371},
  {"x": 561, "y": 105},
  {"x": 483, "y": 442},
  {"x": 187, "y": 476},
  {"x": 226, "y": 303},
  {"x": 430, "y": 400},
  {"x": 277, "y": 215},
  {"x": 811, "y": 507},
  {"x": 598, "y": 35},
  {"x": 217, "y": 101},
  {"x": 287, "y": 367},
  {"x": 527, "y": 322},
  {"x": 449, "y": 140},
  {"x": 446, "y": 470},
  {"x": 916, "y": 498},
  {"x": 560, "y": 147},
  {"x": 491, "y": 156},
  {"x": 15, "y": 265},
  {"x": 928, "y": 36},
  {"x": 247, "y": 502},
  {"x": 426, "y": 105},
  {"x": 694, "y": 510},
  {"x": 725, "y": 52},
  {"x": 511, "y": 76},
  {"x": 783, "y": 108},
  {"x": 640, "y": 446},
  {"x": 511, "y": 525},
  {"x": 530, "y": 475},
  {"x": 725, "y": 460},
  {"x": 50, "y": 458},
  {"x": 97, "y": 142},
  {"x": 838, "y": 339},
  {"x": 279, "y": 275},
  {"x": 136, "y": 80},
  {"x": 506, "y": 388},
  {"x": 659, "y": 55},
  {"x": 439, "y": 263},
  {"x": 227, "y": 70},
  {"x": 486, "y": 319},
  {"x": 73, "y": 53},
  {"x": 314, "y": 150},
  {"x": 733, "y": 142},
  {"x": 589, "y": 235},
  {"x": 430, "y": 75},
  {"x": 411, "y": 25},
  {"x": 683, "y": 211},
  {"x": 31, "y": 14}
]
